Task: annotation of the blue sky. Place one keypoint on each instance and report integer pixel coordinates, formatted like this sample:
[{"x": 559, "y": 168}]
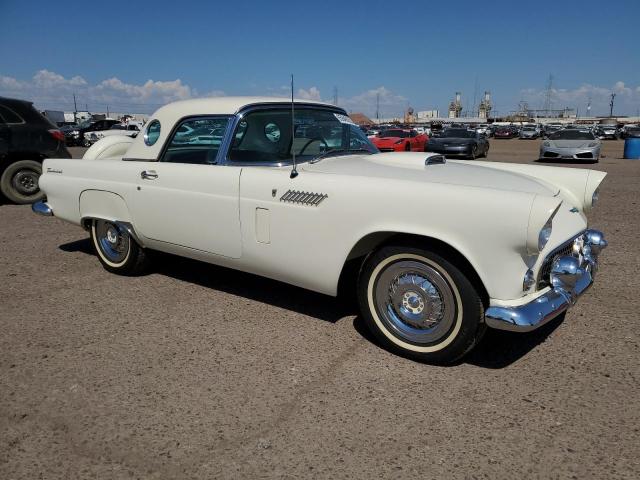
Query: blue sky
[{"x": 137, "y": 55}]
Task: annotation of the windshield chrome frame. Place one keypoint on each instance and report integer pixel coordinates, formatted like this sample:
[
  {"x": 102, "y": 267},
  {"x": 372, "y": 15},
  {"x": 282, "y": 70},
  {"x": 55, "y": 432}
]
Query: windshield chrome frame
[{"x": 225, "y": 146}]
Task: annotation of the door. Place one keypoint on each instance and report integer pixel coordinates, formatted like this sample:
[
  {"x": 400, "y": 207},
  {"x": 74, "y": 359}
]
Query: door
[
  {"x": 186, "y": 198},
  {"x": 4, "y": 139}
]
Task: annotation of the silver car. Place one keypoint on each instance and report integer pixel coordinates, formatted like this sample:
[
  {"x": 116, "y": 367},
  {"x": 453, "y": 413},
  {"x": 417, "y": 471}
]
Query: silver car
[
  {"x": 571, "y": 144},
  {"x": 529, "y": 132}
]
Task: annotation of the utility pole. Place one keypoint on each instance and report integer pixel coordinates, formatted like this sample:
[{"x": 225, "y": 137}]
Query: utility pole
[
  {"x": 547, "y": 98},
  {"x": 75, "y": 109},
  {"x": 613, "y": 96},
  {"x": 335, "y": 96},
  {"x": 377, "y": 106}
]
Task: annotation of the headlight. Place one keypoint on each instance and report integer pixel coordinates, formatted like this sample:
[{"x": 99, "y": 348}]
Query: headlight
[
  {"x": 545, "y": 234},
  {"x": 546, "y": 144},
  {"x": 399, "y": 142},
  {"x": 593, "y": 144},
  {"x": 543, "y": 209}
]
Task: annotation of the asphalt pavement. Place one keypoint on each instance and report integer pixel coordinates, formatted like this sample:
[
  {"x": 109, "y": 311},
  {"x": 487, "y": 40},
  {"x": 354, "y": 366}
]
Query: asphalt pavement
[{"x": 195, "y": 371}]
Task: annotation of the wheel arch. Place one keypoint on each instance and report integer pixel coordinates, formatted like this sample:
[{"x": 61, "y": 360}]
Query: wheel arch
[
  {"x": 103, "y": 204},
  {"x": 373, "y": 241}
]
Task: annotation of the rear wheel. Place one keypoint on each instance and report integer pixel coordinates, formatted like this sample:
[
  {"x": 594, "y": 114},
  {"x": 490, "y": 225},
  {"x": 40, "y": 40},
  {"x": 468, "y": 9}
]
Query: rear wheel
[
  {"x": 419, "y": 304},
  {"x": 19, "y": 182},
  {"x": 116, "y": 249}
]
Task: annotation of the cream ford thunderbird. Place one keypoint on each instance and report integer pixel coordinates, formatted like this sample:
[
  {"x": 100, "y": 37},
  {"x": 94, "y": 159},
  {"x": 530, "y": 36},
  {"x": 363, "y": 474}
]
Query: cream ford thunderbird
[{"x": 296, "y": 192}]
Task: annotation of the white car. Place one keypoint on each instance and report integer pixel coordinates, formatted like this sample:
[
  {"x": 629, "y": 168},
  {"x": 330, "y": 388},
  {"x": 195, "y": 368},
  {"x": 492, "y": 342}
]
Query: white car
[
  {"x": 436, "y": 250},
  {"x": 130, "y": 129}
]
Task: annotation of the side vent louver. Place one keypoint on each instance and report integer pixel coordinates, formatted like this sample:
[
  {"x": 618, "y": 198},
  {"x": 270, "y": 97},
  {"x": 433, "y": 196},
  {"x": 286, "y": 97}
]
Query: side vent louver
[{"x": 303, "y": 198}]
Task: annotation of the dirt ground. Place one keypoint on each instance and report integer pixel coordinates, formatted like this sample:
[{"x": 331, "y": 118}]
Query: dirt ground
[{"x": 195, "y": 371}]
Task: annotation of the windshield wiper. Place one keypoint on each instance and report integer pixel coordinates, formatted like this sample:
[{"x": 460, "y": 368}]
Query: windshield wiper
[{"x": 338, "y": 150}]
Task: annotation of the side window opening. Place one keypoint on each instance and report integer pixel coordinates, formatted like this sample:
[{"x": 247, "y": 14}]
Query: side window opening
[{"x": 196, "y": 141}]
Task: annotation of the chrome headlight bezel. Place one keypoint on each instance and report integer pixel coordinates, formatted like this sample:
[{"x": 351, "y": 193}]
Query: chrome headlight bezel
[
  {"x": 545, "y": 234},
  {"x": 595, "y": 197}
]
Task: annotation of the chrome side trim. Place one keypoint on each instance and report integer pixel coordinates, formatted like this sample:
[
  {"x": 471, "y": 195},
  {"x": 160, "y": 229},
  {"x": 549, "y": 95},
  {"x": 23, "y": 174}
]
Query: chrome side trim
[
  {"x": 42, "y": 208},
  {"x": 570, "y": 277}
]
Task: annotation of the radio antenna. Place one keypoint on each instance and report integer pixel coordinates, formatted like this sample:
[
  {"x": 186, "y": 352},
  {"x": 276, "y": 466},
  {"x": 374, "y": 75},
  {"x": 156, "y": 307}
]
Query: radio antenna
[{"x": 294, "y": 171}]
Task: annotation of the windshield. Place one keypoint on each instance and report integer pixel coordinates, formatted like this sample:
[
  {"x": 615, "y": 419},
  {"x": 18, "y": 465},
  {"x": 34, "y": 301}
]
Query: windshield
[
  {"x": 572, "y": 135},
  {"x": 264, "y": 136},
  {"x": 458, "y": 133},
  {"x": 394, "y": 133},
  {"x": 528, "y": 128}
]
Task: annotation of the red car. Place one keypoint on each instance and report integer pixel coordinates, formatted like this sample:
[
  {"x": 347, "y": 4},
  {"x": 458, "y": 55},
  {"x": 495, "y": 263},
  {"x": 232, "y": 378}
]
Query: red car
[{"x": 400, "y": 140}]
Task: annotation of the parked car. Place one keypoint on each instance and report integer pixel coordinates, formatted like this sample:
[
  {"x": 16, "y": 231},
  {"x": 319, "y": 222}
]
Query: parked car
[
  {"x": 460, "y": 142},
  {"x": 400, "y": 140},
  {"x": 505, "y": 132},
  {"x": 26, "y": 138},
  {"x": 529, "y": 132},
  {"x": 130, "y": 129},
  {"x": 76, "y": 137},
  {"x": 427, "y": 285},
  {"x": 571, "y": 144},
  {"x": 632, "y": 132},
  {"x": 609, "y": 132}
]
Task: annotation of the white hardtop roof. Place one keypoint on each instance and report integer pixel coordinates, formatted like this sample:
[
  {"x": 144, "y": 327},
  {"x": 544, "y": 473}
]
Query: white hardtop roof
[
  {"x": 220, "y": 105},
  {"x": 170, "y": 114}
]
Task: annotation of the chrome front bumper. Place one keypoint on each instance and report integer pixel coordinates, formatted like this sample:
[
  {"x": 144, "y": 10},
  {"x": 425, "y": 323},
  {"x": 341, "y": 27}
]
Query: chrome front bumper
[
  {"x": 42, "y": 208},
  {"x": 571, "y": 276}
]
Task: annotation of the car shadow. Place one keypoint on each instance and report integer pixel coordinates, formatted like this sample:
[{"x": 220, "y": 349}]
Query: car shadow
[
  {"x": 497, "y": 349},
  {"x": 241, "y": 284}
]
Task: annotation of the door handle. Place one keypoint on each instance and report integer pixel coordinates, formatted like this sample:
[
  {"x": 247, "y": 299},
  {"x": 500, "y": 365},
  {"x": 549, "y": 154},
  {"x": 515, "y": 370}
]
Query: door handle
[{"x": 148, "y": 175}]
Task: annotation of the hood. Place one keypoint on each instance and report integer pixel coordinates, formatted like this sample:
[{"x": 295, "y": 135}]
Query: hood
[
  {"x": 411, "y": 167},
  {"x": 571, "y": 143}
]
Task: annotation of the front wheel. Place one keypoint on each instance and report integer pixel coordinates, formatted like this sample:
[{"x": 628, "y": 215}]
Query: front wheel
[
  {"x": 116, "y": 249},
  {"x": 19, "y": 182},
  {"x": 419, "y": 304}
]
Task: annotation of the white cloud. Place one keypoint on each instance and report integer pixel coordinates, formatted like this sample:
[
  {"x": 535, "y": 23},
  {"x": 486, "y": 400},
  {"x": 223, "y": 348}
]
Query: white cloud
[
  {"x": 51, "y": 90},
  {"x": 626, "y": 102},
  {"x": 311, "y": 94},
  {"x": 391, "y": 104}
]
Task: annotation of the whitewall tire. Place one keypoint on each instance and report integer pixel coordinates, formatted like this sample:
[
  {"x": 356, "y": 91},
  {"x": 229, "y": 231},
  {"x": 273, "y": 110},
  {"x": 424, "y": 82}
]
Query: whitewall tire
[{"x": 419, "y": 304}]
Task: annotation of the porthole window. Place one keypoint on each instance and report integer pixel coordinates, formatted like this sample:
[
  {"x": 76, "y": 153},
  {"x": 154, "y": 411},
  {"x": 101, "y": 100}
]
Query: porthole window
[
  {"x": 272, "y": 132},
  {"x": 152, "y": 133}
]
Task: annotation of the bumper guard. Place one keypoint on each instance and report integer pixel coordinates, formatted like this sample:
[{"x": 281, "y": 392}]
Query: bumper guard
[{"x": 570, "y": 277}]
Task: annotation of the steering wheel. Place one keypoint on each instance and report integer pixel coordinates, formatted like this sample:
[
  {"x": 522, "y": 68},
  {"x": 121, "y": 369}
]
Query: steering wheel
[{"x": 311, "y": 140}]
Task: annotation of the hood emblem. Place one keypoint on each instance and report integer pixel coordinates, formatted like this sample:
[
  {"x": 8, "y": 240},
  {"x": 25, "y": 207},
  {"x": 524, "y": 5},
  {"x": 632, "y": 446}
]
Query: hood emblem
[{"x": 574, "y": 210}]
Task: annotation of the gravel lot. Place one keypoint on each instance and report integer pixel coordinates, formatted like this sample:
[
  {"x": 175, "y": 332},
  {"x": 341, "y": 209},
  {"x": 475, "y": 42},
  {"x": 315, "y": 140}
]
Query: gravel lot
[{"x": 195, "y": 371}]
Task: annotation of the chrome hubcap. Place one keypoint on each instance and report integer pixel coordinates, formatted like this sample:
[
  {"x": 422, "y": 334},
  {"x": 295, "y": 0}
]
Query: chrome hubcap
[
  {"x": 112, "y": 240},
  {"x": 414, "y": 301}
]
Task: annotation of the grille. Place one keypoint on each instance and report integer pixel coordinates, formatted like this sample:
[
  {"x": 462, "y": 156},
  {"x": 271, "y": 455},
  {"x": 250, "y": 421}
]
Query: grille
[
  {"x": 585, "y": 155},
  {"x": 550, "y": 154},
  {"x": 544, "y": 276},
  {"x": 303, "y": 198},
  {"x": 386, "y": 149}
]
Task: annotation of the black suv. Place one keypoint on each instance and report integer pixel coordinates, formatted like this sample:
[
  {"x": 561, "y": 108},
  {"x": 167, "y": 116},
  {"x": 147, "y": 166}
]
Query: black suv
[
  {"x": 26, "y": 138},
  {"x": 75, "y": 136}
]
